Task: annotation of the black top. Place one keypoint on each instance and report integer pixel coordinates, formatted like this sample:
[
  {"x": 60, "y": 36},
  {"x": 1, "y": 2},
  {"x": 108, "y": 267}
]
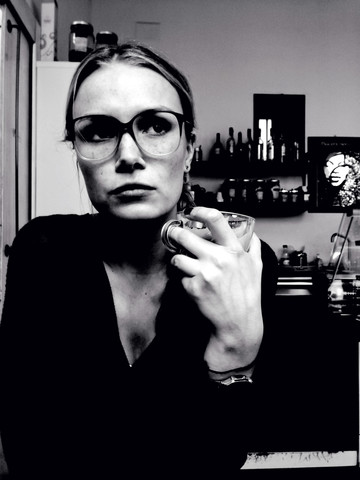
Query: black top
[{"x": 71, "y": 406}]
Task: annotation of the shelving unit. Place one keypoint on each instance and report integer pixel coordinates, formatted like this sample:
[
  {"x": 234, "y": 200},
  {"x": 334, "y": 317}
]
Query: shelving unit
[{"x": 265, "y": 170}]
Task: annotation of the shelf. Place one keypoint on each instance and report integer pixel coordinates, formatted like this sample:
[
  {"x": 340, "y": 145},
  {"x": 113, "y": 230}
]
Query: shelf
[
  {"x": 265, "y": 210},
  {"x": 272, "y": 210},
  {"x": 208, "y": 169}
]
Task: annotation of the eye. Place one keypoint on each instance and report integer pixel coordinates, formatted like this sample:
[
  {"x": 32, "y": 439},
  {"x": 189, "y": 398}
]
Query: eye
[
  {"x": 156, "y": 124},
  {"x": 96, "y": 129}
]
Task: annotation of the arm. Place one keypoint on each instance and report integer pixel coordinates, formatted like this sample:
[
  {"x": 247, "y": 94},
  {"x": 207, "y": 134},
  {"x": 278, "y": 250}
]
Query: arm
[
  {"x": 28, "y": 377},
  {"x": 227, "y": 284}
]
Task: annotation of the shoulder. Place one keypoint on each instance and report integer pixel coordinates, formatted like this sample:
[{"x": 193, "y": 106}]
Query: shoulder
[
  {"x": 52, "y": 230},
  {"x": 268, "y": 255},
  {"x": 270, "y": 270},
  {"x": 54, "y": 225}
]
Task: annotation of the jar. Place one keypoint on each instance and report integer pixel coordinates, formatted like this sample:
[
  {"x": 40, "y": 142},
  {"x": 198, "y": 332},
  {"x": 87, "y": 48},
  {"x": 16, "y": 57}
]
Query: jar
[
  {"x": 81, "y": 40},
  {"x": 245, "y": 191},
  {"x": 294, "y": 195},
  {"x": 229, "y": 190},
  {"x": 259, "y": 190},
  {"x": 284, "y": 195},
  {"x": 274, "y": 189},
  {"x": 105, "y": 38}
]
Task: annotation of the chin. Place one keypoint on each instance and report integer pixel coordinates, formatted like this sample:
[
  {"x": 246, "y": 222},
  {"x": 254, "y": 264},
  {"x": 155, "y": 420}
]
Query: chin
[{"x": 136, "y": 212}]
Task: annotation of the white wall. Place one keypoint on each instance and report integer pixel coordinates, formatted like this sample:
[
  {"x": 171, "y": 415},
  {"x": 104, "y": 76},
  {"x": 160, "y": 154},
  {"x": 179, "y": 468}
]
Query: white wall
[{"x": 231, "y": 49}]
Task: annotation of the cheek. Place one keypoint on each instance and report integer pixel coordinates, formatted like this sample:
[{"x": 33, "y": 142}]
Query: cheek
[
  {"x": 93, "y": 178},
  {"x": 175, "y": 173}
]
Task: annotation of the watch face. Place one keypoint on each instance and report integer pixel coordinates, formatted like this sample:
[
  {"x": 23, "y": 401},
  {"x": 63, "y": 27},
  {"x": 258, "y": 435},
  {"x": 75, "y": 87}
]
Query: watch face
[{"x": 236, "y": 379}]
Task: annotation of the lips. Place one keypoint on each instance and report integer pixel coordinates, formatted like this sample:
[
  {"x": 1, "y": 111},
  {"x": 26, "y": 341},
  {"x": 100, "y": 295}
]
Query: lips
[{"x": 131, "y": 189}]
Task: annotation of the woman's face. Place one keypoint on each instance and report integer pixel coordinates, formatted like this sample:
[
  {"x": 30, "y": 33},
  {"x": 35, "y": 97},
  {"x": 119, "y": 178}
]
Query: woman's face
[
  {"x": 335, "y": 169},
  {"x": 132, "y": 184}
]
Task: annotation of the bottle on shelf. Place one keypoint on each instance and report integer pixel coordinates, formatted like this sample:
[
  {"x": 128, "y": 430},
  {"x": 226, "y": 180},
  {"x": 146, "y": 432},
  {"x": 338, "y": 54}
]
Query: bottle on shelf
[
  {"x": 239, "y": 149},
  {"x": 260, "y": 147},
  {"x": 318, "y": 262},
  {"x": 282, "y": 149},
  {"x": 230, "y": 144},
  {"x": 285, "y": 256},
  {"x": 217, "y": 150},
  {"x": 249, "y": 145},
  {"x": 295, "y": 151},
  {"x": 197, "y": 157},
  {"x": 230, "y": 154},
  {"x": 270, "y": 150}
]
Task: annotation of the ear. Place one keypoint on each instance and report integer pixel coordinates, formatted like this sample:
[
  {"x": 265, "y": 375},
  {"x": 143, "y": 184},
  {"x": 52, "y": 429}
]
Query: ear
[{"x": 189, "y": 156}]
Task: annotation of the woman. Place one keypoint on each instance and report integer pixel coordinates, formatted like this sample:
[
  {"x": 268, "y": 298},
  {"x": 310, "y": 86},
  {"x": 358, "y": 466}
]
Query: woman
[
  {"x": 342, "y": 172},
  {"x": 113, "y": 349}
]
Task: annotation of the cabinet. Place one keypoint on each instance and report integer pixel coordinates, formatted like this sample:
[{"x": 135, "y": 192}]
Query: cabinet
[{"x": 59, "y": 186}]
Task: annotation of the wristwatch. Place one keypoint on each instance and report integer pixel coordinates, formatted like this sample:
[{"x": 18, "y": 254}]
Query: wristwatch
[{"x": 234, "y": 379}]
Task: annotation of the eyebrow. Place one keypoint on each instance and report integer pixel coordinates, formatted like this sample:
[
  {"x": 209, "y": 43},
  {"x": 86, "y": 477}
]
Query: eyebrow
[{"x": 149, "y": 110}]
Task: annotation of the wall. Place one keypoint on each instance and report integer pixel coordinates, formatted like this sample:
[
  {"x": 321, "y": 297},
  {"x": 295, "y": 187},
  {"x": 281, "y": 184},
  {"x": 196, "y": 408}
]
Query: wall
[{"x": 231, "y": 49}]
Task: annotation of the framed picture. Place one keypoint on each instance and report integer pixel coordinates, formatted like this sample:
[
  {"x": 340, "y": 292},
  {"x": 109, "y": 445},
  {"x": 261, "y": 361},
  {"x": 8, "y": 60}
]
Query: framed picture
[{"x": 334, "y": 173}]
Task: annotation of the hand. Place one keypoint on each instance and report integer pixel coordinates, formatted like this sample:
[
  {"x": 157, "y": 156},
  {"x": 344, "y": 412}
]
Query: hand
[{"x": 225, "y": 282}]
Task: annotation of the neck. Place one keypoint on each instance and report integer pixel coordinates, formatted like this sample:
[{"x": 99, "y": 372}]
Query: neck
[{"x": 135, "y": 244}]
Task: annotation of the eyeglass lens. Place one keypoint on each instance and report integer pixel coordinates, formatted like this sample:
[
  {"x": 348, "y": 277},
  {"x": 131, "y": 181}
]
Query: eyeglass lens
[{"x": 98, "y": 136}]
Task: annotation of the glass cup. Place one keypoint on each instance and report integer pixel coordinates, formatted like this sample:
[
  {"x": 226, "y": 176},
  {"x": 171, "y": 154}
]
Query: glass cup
[{"x": 243, "y": 226}]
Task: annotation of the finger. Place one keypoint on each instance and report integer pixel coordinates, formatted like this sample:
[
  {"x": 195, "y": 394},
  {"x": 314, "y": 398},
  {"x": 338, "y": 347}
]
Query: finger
[
  {"x": 221, "y": 232},
  {"x": 189, "y": 266},
  {"x": 190, "y": 241},
  {"x": 255, "y": 246}
]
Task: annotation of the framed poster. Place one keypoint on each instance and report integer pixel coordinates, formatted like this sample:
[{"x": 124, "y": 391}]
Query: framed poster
[{"x": 334, "y": 173}]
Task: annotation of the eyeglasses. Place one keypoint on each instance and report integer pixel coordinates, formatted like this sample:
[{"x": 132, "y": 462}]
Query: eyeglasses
[{"x": 97, "y": 137}]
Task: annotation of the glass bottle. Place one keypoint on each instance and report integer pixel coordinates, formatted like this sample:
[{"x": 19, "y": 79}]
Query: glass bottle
[
  {"x": 295, "y": 151},
  {"x": 260, "y": 147},
  {"x": 230, "y": 144},
  {"x": 239, "y": 148},
  {"x": 197, "y": 157},
  {"x": 282, "y": 145},
  {"x": 270, "y": 150},
  {"x": 318, "y": 262},
  {"x": 217, "y": 150},
  {"x": 249, "y": 147},
  {"x": 285, "y": 257}
]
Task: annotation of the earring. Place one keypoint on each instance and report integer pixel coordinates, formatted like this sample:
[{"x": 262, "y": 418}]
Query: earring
[
  {"x": 186, "y": 198},
  {"x": 186, "y": 174}
]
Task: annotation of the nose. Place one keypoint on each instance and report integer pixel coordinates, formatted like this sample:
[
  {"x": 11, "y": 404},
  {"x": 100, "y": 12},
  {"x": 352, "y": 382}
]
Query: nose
[{"x": 129, "y": 157}]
